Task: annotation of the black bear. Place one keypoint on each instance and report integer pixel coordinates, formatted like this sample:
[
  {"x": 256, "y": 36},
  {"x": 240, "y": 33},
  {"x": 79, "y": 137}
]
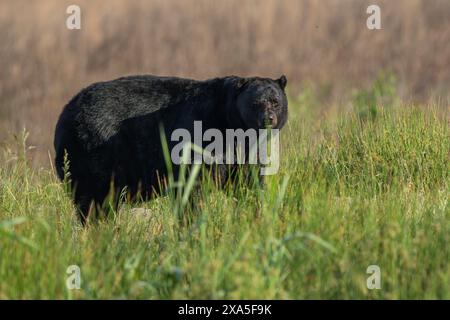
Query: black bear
[{"x": 109, "y": 134}]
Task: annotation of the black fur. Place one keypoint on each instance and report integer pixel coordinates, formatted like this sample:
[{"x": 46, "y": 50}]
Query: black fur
[{"x": 110, "y": 130}]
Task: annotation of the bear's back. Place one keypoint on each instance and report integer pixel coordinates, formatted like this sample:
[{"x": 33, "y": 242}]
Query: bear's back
[{"x": 96, "y": 112}]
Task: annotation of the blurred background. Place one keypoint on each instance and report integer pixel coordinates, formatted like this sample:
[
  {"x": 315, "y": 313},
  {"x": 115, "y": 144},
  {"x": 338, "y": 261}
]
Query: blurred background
[{"x": 322, "y": 46}]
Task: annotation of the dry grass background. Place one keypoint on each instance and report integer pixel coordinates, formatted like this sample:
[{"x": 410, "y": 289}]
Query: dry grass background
[{"x": 324, "y": 44}]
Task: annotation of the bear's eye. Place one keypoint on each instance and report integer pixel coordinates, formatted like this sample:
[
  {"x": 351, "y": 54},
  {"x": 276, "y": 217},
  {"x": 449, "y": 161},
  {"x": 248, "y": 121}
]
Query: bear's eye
[{"x": 274, "y": 104}]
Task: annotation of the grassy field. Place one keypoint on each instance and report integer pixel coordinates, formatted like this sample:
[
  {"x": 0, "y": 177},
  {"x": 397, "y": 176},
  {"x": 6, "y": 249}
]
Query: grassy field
[
  {"x": 359, "y": 185},
  {"x": 353, "y": 190}
]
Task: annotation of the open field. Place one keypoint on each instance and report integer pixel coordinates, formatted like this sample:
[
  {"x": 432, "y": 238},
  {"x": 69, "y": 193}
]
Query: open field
[
  {"x": 351, "y": 193},
  {"x": 365, "y": 157}
]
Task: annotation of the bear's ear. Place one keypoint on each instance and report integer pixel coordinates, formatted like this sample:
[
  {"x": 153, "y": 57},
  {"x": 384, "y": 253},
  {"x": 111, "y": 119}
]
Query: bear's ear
[{"x": 282, "y": 82}]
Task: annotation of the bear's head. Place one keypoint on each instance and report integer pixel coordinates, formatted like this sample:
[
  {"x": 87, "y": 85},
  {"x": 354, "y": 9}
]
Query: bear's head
[{"x": 257, "y": 103}]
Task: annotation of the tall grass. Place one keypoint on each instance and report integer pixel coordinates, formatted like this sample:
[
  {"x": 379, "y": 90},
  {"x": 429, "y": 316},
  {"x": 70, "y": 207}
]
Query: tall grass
[{"x": 350, "y": 193}]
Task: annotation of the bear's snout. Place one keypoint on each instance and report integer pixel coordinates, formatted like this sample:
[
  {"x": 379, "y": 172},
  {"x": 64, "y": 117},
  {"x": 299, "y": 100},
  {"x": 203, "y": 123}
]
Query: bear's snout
[{"x": 269, "y": 119}]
